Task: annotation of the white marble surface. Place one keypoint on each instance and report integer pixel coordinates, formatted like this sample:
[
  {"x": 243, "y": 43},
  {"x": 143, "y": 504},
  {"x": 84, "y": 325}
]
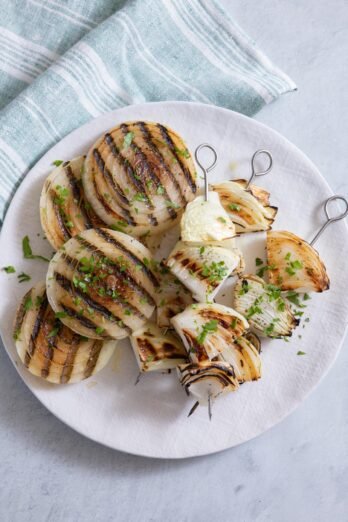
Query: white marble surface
[{"x": 296, "y": 471}]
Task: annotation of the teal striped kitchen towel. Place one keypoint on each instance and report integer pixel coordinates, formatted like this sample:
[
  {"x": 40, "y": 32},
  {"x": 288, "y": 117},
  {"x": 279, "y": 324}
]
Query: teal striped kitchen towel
[{"x": 63, "y": 62}]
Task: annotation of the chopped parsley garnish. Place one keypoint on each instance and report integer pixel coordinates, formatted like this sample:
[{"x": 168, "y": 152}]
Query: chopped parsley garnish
[
  {"x": 23, "y": 278},
  {"x": 140, "y": 197},
  {"x": 208, "y": 328},
  {"x": 215, "y": 272},
  {"x": 292, "y": 266},
  {"x": 38, "y": 301},
  {"x": 258, "y": 261},
  {"x": 269, "y": 329},
  {"x": 171, "y": 204},
  {"x": 128, "y": 139},
  {"x": 182, "y": 152},
  {"x": 245, "y": 287},
  {"x": 57, "y": 162},
  {"x": 99, "y": 330},
  {"x": 306, "y": 297},
  {"x": 16, "y": 334},
  {"x": 149, "y": 358},
  {"x": 28, "y": 304},
  {"x": 27, "y": 251},
  {"x": 60, "y": 315},
  {"x": 9, "y": 269},
  {"x": 222, "y": 219},
  {"x": 301, "y": 353},
  {"x": 54, "y": 332},
  {"x": 160, "y": 190},
  {"x": 261, "y": 271},
  {"x": 119, "y": 226},
  {"x": 294, "y": 298},
  {"x": 234, "y": 207},
  {"x": 201, "y": 250},
  {"x": 254, "y": 309},
  {"x": 234, "y": 323}
]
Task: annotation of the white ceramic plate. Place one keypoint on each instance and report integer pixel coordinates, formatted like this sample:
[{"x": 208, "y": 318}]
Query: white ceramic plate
[{"x": 151, "y": 418}]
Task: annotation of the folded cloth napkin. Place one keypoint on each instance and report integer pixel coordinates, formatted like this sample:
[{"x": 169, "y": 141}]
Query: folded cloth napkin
[{"x": 63, "y": 62}]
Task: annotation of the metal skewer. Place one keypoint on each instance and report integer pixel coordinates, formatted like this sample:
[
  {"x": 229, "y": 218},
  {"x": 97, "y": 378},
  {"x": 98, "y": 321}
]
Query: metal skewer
[
  {"x": 204, "y": 169},
  {"x": 254, "y": 172},
  {"x": 330, "y": 220}
]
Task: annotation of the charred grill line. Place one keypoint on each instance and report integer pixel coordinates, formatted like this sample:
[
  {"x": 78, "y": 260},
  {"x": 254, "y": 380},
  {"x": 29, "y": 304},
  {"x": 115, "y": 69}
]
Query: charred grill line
[
  {"x": 51, "y": 341},
  {"x": 167, "y": 138},
  {"x": 93, "y": 358},
  {"x": 125, "y": 214},
  {"x": 110, "y": 239},
  {"x": 77, "y": 194},
  {"x": 149, "y": 140},
  {"x": 60, "y": 218},
  {"x": 69, "y": 361},
  {"x": 36, "y": 329},
  {"x": 127, "y": 168},
  {"x": 107, "y": 175},
  {"x": 66, "y": 285},
  {"x": 87, "y": 323},
  {"x": 122, "y": 275},
  {"x": 21, "y": 313},
  {"x": 149, "y": 170}
]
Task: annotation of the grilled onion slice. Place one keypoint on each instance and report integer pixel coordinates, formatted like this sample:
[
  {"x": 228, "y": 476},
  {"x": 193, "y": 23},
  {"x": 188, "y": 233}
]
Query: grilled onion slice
[
  {"x": 156, "y": 351},
  {"x": 244, "y": 357},
  {"x": 264, "y": 308},
  {"x": 206, "y": 220},
  {"x": 140, "y": 174},
  {"x": 208, "y": 378},
  {"x": 64, "y": 210},
  {"x": 207, "y": 329},
  {"x": 51, "y": 350},
  {"x": 249, "y": 209},
  {"x": 172, "y": 297},
  {"x": 296, "y": 265},
  {"x": 203, "y": 268},
  {"x": 104, "y": 282}
]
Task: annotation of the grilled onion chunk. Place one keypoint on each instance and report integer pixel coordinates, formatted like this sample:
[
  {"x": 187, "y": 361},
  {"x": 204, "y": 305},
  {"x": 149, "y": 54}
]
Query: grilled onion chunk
[
  {"x": 64, "y": 210},
  {"x": 244, "y": 356},
  {"x": 264, "y": 308},
  {"x": 156, "y": 351},
  {"x": 296, "y": 265},
  {"x": 49, "y": 349},
  {"x": 172, "y": 297},
  {"x": 207, "y": 329},
  {"x": 203, "y": 268},
  {"x": 249, "y": 209},
  {"x": 206, "y": 220},
  {"x": 207, "y": 378},
  {"x": 140, "y": 174},
  {"x": 105, "y": 283}
]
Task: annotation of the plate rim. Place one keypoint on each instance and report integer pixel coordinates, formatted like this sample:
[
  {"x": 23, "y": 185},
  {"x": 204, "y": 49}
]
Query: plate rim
[{"x": 26, "y": 181}]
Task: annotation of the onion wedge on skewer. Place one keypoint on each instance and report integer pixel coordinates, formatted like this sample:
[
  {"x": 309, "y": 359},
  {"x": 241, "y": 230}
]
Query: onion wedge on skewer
[
  {"x": 49, "y": 349},
  {"x": 248, "y": 208},
  {"x": 203, "y": 268},
  {"x": 296, "y": 265},
  {"x": 64, "y": 211},
  {"x": 104, "y": 282},
  {"x": 156, "y": 351},
  {"x": 264, "y": 308},
  {"x": 207, "y": 329},
  {"x": 172, "y": 297},
  {"x": 244, "y": 357},
  {"x": 142, "y": 174}
]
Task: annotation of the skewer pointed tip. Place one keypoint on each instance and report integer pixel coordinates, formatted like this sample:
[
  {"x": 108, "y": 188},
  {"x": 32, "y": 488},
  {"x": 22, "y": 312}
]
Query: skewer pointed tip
[{"x": 193, "y": 409}]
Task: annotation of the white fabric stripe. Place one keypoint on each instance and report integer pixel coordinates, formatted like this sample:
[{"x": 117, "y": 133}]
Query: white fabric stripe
[
  {"x": 43, "y": 116},
  {"x": 195, "y": 40},
  {"x": 83, "y": 98},
  {"x": 15, "y": 73},
  {"x": 85, "y": 85},
  {"x": 36, "y": 49},
  {"x": 243, "y": 53},
  {"x": 71, "y": 11},
  {"x": 21, "y": 62},
  {"x": 96, "y": 88},
  {"x": 22, "y": 55},
  {"x": 13, "y": 155},
  {"x": 160, "y": 69},
  {"x": 6, "y": 165},
  {"x": 97, "y": 62},
  {"x": 62, "y": 15},
  {"x": 37, "y": 118},
  {"x": 253, "y": 51}
]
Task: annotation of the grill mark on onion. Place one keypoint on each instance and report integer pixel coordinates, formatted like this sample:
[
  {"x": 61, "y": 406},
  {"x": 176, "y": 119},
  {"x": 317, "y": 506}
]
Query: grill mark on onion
[
  {"x": 93, "y": 358},
  {"x": 71, "y": 312},
  {"x": 148, "y": 168},
  {"x": 131, "y": 282},
  {"x": 77, "y": 195},
  {"x": 51, "y": 346},
  {"x": 138, "y": 184},
  {"x": 110, "y": 239},
  {"x": 167, "y": 138},
  {"x": 108, "y": 176},
  {"x": 60, "y": 218},
  {"x": 154, "y": 148},
  {"x": 21, "y": 313},
  {"x": 97, "y": 307},
  {"x": 70, "y": 358},
  {"x": 125, "y": 213},
  {"x": 36, "y": 330}
]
